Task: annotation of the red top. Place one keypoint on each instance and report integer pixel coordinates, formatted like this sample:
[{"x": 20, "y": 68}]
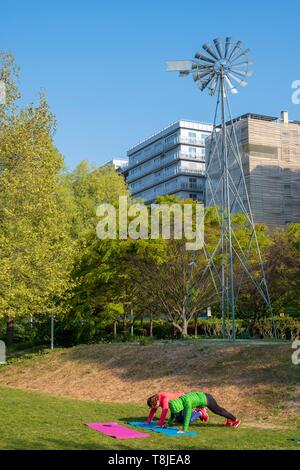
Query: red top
[{"x": 163, "y": 401}]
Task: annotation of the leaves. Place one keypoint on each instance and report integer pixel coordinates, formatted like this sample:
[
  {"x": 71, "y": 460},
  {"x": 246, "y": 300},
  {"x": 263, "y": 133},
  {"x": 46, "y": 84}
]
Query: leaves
[{"x": 35, "y": 246}]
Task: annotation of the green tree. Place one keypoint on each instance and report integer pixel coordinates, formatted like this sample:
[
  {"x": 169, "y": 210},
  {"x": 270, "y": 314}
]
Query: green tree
[
  {"x": 35, "y": 246},
  {"x": 167, "y": 276},
  {"x": 89, "y": 187},
  {"x": 9, "y": 74},
  {"x": 98, "y": 292},
  {"x": 283, "y": 270}
]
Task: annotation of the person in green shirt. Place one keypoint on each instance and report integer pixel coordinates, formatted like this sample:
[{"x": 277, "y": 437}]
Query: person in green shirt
[{"x": 191, "y": 400}]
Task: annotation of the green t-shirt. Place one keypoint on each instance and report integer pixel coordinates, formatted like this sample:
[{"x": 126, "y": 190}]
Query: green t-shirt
[{"x": 186, "y": 403}]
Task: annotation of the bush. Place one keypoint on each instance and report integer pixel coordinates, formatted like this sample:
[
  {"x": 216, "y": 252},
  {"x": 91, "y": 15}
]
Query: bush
[
  {"x": 72, "y": 332},
  {"x": 163, "y": 330},
  {"x": 288, "y": 328}
]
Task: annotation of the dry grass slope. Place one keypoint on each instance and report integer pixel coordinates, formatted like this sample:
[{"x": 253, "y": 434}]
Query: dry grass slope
[{"x": 249, "y": 379}]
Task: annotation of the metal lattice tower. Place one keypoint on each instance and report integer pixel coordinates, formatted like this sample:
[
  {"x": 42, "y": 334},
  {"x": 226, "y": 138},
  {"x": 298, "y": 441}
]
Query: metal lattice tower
[{"x": 220, "y": 69}]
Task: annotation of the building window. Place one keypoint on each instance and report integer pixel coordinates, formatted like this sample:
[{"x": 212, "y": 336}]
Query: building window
[
  {"x": 192, "y": 152},
  {"x": 193, "y": 196},
  {"x": 192, "y": 136},
  {"x": 171, "y": 139}
]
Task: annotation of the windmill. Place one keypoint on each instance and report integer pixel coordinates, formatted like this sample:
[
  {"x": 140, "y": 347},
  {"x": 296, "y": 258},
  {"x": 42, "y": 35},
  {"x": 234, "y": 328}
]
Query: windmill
[{"x": 221, "y": 69}]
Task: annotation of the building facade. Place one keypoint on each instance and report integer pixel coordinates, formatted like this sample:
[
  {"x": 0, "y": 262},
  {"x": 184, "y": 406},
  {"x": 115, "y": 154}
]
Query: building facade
[
  {"x": 170, "y": 162},
  {"x": 119, "y": 164},
  {"x": 270, "y": 154}
]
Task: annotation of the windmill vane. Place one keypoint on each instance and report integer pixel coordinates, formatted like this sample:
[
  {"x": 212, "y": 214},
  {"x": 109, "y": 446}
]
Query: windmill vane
[{"x": 228, "y": 62}]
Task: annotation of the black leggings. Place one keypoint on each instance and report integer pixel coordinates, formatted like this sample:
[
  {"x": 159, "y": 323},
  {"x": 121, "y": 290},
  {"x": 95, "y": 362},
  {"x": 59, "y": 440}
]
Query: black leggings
[{"x": 213, "y": 406}]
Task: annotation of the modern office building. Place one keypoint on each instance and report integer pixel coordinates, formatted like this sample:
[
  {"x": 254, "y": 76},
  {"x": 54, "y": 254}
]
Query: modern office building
[
  {"x": 119, "y": 164},
  {"x": 270, "y": 151},
  {"x": 172, "y": 161}
]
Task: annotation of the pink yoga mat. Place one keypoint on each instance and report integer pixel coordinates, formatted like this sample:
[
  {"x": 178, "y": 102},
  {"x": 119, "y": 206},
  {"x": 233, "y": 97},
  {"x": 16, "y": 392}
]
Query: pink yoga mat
[{"x": 116, "y": 430}]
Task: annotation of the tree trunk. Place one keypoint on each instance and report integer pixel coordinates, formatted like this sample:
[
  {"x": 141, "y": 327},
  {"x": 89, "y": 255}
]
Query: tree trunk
[
  {"x": 151, "y": 326},
  {"x": 9, "y": 331},
  {"x": 131, "y": 328},
  {"x": 52, "y": 332},
  {"x": 184, "y": 328},
  {"x": 196, "y": 325},
  {"x": 115, "y": 329},
  {"x": 125, "y": 324}
]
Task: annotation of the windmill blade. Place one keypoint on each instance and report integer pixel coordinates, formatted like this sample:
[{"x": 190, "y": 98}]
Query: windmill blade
[
  {"x": 228, "y": 44},
  {"x": 231, "y": 87},
  {"x": 238, "y": 80},
  {"x": 213, "y": 86},
  {"x": 207, "y": 47},
  {"x": 206, "y": 69},
  {"x": 248, "y": 63},
  {"x": 205, "y": 72},
  {"x": 218, "y": 46},
  {"x": 206, "y": 82},
  {"x": 236, "y": 48},
  {"x": 201, "y": 56},
  {"x": 238, "y": 56},
  {"x": 243, "y": 73},
  {"x": 179, "y": 65},
  {"x": 199, "y": 75},
  {"x": 199, "y": 66}
]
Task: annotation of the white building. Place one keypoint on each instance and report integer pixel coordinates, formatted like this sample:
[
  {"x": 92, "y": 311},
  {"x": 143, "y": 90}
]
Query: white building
[
  {"x": 172, "y": 161},
  {"x": 118, "y": 163}
]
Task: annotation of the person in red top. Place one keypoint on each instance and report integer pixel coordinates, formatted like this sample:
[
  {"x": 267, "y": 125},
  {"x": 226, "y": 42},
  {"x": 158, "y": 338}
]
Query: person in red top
[{"x": 162, "y": 399}]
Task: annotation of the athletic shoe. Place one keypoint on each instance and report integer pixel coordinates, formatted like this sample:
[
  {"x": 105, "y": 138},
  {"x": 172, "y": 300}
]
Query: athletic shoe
[
  {"x": 203, "y": 415},
  {"x": 233, "y": 424},
  {"x": 236, "y": 423}
]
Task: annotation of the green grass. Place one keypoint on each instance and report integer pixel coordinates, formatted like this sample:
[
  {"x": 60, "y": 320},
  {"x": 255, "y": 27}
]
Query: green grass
[{"x": 31, "y": 420}]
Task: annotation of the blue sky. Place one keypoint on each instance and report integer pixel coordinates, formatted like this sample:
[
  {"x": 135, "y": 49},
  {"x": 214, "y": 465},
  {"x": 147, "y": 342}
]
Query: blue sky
[{"x": 102, "y": 64}]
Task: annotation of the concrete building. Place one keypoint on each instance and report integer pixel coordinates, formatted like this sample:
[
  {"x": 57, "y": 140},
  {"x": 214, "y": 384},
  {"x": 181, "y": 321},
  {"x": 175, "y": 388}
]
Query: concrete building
[
  {"x": 172, "y": 161},
  {"x": 270, "y": 151},
  {"x": 119, "y": 164}
]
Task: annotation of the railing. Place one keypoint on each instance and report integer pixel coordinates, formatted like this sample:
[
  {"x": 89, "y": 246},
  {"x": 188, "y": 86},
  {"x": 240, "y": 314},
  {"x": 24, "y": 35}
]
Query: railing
[
  {"x": 190, "y": 156},
  {"x": 175, "y": 187},
  {"x": 191, "y": 186},
  {"x": 193, "y": 141},
  {"x": 167, "y": 145},
  {"x": 196, "y": 172},
  {"x": 162, "y": 163},
  {"x": 160, "y": 178}
]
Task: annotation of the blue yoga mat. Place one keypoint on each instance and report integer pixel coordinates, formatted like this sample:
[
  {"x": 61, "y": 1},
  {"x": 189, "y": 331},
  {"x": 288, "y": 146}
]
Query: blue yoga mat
[
  {"x": 168, "y": 431},
  {"x": 296, "y": 439}
]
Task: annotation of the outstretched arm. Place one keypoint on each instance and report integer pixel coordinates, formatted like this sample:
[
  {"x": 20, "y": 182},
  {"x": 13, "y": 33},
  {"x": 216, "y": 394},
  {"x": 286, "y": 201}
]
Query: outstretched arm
[
  {"x": 187, "y": 417},
  {"x": 165, "y": 407},
  {"x": 151, "y": 415},
  {"x": 163, "y": 416}
]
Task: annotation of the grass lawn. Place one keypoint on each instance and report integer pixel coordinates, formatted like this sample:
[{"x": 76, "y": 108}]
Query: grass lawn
[{"x": 33, "y": 420}]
